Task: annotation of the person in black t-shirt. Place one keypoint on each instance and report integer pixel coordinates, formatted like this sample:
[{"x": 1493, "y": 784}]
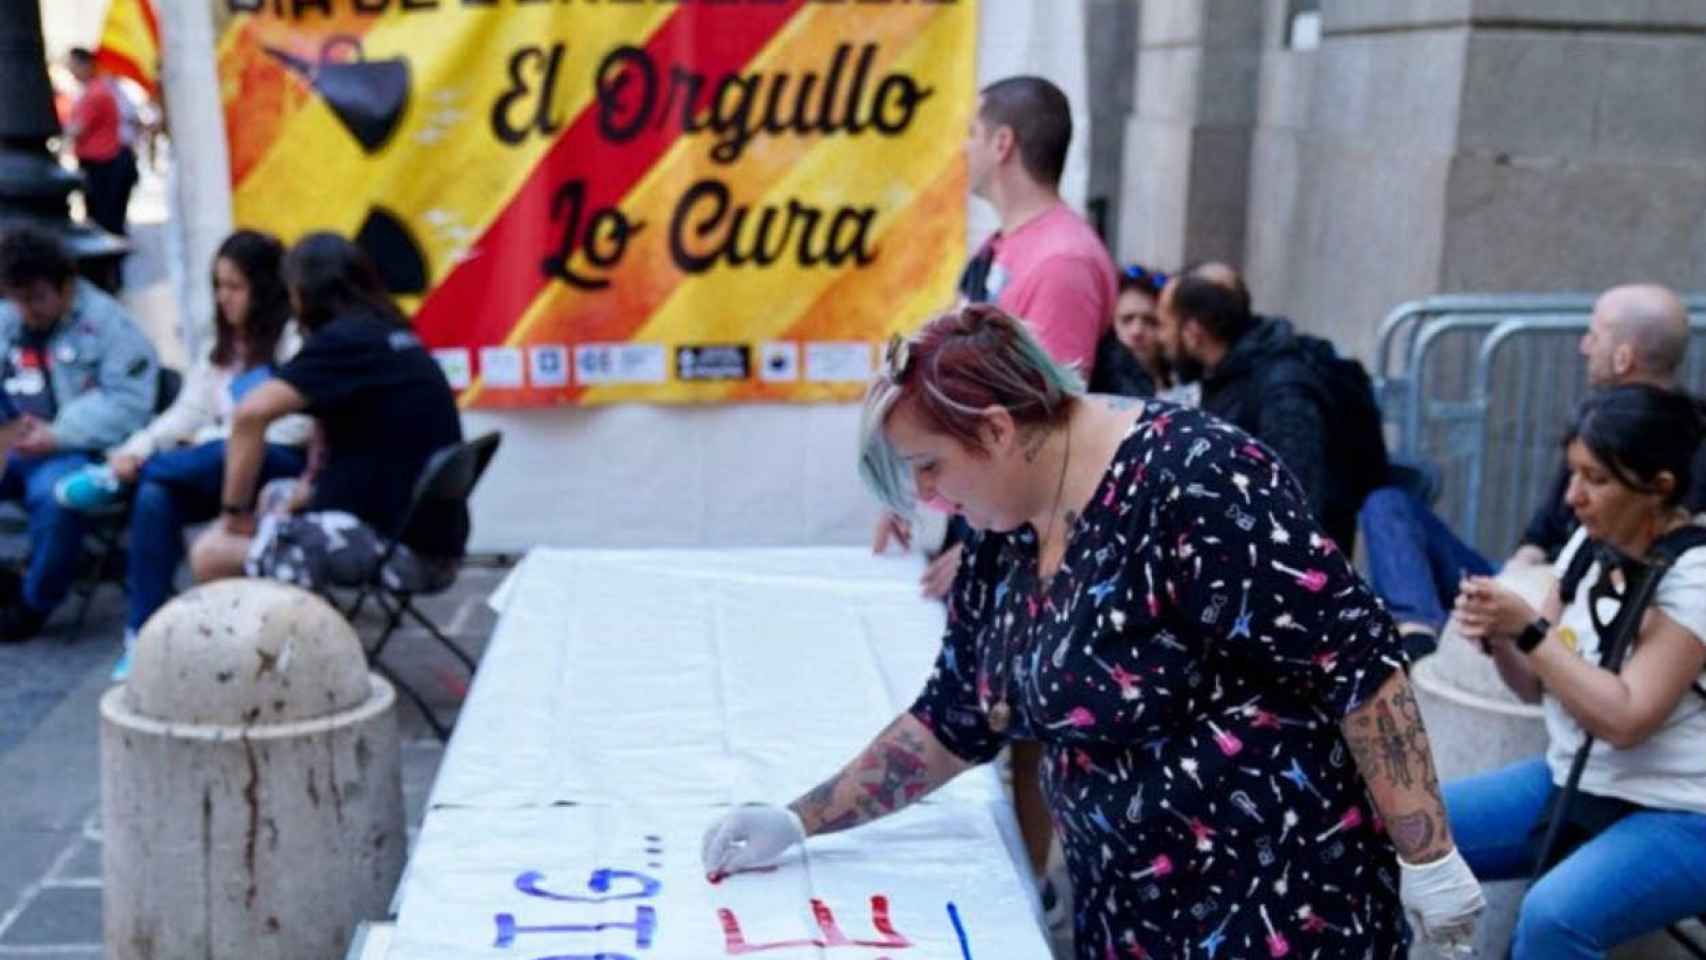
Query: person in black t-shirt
[{"x": 384, "y": 407}]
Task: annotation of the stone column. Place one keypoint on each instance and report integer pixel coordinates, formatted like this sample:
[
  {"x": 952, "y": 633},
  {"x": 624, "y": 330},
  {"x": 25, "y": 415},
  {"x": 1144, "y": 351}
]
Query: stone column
[
  {"x": 1111, "y": 33},
  {"x": 1477, "y": 145},
  {"x": 1278, "y": 156},
  {"x": 1581, "y": 147},
  {"x": 1372, "y": 162},
  {"x": 201, "y": 201},
  {"x": 1187, "y": 146}
]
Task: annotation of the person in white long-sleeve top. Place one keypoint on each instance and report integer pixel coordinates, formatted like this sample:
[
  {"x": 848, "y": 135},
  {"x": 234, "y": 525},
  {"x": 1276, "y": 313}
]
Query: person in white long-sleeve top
[{"x": 177, "y": 461}]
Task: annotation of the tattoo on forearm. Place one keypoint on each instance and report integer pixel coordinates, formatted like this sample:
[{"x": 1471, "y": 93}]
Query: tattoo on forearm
[
  {"x": 1390, "y": 744},
  {"x": 1394, "y": 747},
  {"x": 1412, "y": 831},
  {"x": 891, "y": 773},
  {"x": 817, "y": 809}
]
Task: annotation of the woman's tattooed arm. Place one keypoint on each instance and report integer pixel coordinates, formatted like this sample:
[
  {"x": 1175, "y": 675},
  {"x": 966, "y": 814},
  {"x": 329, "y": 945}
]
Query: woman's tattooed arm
[
  {"x": 902, "y": 764},
  {"x": 1391, "y": 748}
]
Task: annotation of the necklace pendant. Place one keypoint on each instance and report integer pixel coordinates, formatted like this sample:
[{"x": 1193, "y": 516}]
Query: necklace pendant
[{"x": 999, "y": 716}]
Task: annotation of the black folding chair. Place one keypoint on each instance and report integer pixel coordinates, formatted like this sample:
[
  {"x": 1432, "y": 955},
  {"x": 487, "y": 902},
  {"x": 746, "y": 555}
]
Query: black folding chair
[{"x": 448, "y": 478}]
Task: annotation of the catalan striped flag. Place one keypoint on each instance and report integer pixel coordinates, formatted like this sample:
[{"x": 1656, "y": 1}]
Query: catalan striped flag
[
  {"x": 130, "y": 43},
  {"x": 679, "y": 201}
]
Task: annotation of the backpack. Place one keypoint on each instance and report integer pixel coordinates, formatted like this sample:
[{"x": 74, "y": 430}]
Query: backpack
[
  {"x": 1356, "y": 441},
  {"x": 974, "y": 279},
  {"x": 1665, "y": 551}
]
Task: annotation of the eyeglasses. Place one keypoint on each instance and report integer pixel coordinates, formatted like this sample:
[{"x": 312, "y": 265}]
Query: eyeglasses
[
  {"x": 897, "y": 355},
  {"x": 1143, "y": 274}
]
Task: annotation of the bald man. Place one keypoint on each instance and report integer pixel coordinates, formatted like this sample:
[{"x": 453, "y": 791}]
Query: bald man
[{"x": 1638, "y": 333}]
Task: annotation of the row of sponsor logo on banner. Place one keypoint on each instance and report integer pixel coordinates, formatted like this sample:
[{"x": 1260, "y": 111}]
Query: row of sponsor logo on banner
[{"x": 598, "y": 364}]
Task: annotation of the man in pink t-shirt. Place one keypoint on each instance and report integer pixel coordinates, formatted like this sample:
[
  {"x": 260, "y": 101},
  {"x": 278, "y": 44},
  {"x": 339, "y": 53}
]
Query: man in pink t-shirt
[{"x": 1045, "y": 265}]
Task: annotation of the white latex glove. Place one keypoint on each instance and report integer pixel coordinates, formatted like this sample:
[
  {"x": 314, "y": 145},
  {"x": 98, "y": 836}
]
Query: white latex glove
[
  {"x": 1443, "y": 901},
  {"x": 749, "y": 836}
]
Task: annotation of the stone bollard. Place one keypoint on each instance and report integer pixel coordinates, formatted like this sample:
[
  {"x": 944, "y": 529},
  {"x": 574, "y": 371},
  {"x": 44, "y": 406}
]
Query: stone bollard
[
  {"x": 1476, "y": 725},
  {"x": 251, "y": 799}
]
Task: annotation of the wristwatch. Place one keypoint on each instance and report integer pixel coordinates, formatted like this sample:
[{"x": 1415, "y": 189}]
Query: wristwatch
[
  {"x": 1532, "y": 634},
  {"x": 235, "y": 510}
]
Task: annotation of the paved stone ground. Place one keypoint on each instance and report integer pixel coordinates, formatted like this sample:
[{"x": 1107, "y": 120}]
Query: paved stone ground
[
  {"x": 50, "y": 834},
  {"x": 50, "y": 687}
]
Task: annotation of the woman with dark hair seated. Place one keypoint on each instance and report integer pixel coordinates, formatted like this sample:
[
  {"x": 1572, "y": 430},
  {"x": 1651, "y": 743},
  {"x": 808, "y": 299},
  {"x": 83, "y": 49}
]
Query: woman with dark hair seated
[
  {"x": 177, "y": 461},
  {"x": 383, "y": 406},
  {"x": 1635, "y": 858}
]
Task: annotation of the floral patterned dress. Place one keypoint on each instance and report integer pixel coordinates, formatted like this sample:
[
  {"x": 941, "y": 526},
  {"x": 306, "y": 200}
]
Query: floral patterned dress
[{"x": 1186, "y": 670}]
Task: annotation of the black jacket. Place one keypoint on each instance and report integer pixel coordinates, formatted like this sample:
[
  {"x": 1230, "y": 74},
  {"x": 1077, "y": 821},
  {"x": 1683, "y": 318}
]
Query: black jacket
[
  {"x": 1266, "y": 386},
  {"x": 1117, "y": 370}
]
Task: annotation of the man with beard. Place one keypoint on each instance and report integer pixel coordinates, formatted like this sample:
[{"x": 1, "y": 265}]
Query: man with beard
[{"x": 1260, "y": 374}]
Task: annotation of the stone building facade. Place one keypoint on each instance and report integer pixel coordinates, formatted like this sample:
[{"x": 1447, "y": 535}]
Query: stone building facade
[{"x": 1353, "y": 154}]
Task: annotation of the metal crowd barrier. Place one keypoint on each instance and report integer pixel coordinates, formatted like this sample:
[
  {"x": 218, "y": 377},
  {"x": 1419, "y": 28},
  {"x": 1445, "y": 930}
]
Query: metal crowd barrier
[
  {"x": 1482, "y": 387},
  {"x": 1528, "y": 381},
  {"x": 1402, "y": 335}
]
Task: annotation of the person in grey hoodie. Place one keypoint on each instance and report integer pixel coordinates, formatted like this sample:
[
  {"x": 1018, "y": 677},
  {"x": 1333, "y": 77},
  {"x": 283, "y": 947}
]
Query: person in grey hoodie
[{"x": 82, "y": 377}]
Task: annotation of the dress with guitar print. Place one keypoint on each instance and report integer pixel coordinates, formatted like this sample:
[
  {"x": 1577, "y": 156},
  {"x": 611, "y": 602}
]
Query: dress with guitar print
[{"x": 1186, "y": 669}]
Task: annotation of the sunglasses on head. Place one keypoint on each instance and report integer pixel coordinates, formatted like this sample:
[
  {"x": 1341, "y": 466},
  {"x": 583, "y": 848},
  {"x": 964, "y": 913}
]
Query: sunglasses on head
[
  {"x": 1141, "y": 273},
  {"x": 896, "y": 356}
]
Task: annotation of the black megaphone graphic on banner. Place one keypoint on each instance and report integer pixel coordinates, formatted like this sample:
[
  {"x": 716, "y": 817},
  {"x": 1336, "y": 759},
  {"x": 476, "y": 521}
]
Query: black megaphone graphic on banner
[{"x": 367, "y": 96}]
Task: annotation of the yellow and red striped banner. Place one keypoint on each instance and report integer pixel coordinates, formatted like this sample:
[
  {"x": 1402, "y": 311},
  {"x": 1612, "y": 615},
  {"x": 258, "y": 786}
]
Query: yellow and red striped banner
[
  {"x": 597, "y": 201},
  {"x": 130, "y": 43}
]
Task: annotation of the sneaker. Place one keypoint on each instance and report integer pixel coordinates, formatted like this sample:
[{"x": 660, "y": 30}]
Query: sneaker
[
  {"x": 92, "y": 489},
  {"x": 121, "y": 669}
]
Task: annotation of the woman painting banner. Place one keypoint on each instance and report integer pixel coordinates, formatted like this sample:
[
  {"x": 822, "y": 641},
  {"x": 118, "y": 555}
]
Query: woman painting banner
[{"x": 1232, "y": 752}]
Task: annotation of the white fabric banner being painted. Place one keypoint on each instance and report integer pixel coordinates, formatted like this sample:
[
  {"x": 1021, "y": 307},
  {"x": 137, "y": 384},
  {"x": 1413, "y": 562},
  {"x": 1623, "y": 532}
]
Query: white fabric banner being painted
[
  {"x": 627, "y": 697},
  {"x": 600, "y": 881}
]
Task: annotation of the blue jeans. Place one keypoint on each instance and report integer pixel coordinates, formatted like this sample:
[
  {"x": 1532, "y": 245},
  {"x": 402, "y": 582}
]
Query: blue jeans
[
  {"x": 1414, "y": 560},
  {"x": 56, "y": 533},
  {"x": 1642, "y": 873},
  {"x": 174, "y": 489}
]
